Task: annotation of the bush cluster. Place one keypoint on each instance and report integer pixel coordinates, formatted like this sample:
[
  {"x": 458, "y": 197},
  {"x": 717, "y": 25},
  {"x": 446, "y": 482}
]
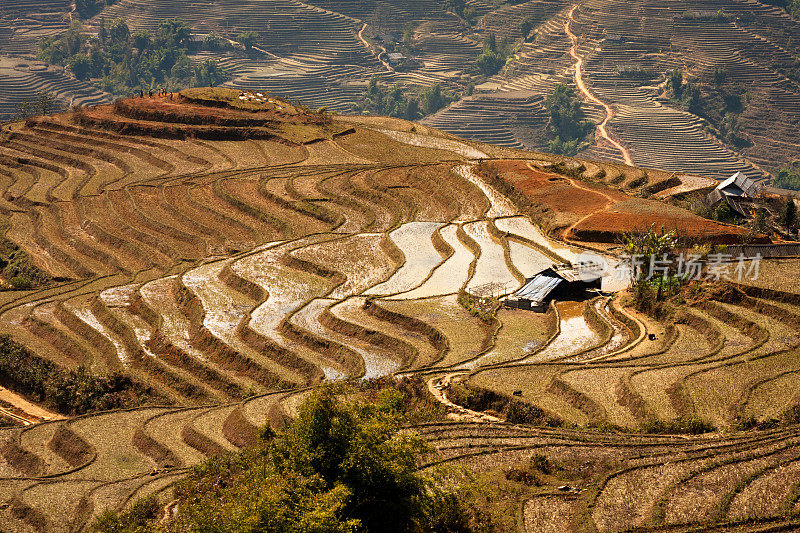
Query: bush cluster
[
  {"x": 70, "y": 392},
  {"x": 513, "y": 410},
  {"x": 396, "y": 101},
  {"x": 343, "y": 466},
  {"x": 121, "y": 62},
  {"x": 787, "y": 178},
  {"x": 691, "y": 426},
  {"x": 17, "y": 268},
  {"x": 568, "y": 127}
]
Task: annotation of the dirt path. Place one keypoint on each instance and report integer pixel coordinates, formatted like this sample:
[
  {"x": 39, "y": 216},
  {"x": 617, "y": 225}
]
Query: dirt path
[
  {"x": 27, "y": 411},
  {"x": 368, "y": 47},
  {"x": 610, "y": 201},
  {"x": 601, "y": 128},
  {"x": 437, "y": 388}
]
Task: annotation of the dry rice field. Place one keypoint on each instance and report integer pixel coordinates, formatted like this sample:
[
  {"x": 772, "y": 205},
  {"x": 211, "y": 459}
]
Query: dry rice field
[{"x": 232, "y": 277}]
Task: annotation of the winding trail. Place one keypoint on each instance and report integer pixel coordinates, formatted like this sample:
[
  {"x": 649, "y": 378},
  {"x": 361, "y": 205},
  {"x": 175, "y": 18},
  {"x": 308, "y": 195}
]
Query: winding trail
[
  {"x": 368, "y": 47},
  {"x": 601, "y": 128},
  {"x": 610, "y": 201},
  {"x": 27, "y": 412}
]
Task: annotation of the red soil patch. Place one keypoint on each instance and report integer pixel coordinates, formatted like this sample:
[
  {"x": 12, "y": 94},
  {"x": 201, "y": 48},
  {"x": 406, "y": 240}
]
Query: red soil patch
[
  {"x": 639, "y": 215},
  {"x": 593, "y": 213},
  {"x": 178, "y": 117}
]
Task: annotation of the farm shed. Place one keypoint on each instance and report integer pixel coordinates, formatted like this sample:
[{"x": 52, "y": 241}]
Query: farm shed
[
  {"x": 561, "y": 282},
  {"x": 736, "y": 191}
]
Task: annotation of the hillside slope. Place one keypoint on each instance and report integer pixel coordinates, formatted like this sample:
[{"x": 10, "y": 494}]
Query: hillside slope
[
  {"x": 229, "y": 252},
  {"x": 324, "y": 52}
]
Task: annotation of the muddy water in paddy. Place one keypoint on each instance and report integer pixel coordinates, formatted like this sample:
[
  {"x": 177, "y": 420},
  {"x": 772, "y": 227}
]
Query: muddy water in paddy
[
  {"x": 575, "y": 334},
  {"x": 376, "y": 364},
  {"x": 450, "y": 275},
  {"x": 620, "y": 334}
]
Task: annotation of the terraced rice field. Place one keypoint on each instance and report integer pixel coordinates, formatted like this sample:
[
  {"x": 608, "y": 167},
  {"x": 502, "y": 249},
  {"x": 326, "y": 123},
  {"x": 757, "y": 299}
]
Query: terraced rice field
[
  {"x": 323, "y": 52},
  {"x": 233, "y": 282}
]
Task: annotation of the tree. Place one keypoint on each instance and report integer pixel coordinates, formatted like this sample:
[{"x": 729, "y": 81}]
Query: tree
[
  {"x": 720, "y": 76},
  {"x": 651, "y": 245},
  {"x": 692, "y": 98},
  {"x": 212, "y": 42},
  {"x": 81, "y": 66},
  {"x": 142, "y": 40},
  {"x": 730, "y": 128},
  {"x": 568, "y": 125},
  {"x": 759, "y": 222},
  {"x": 526, "y": 27},
  {"x": 43, "y": 103},
  {"x": 174, "y": 33},
  {"x": 787, "y": 178},
  {"x": 788, "y": 216},
  {"x": 342, "y": 466},
  {"x": 209, "y": 74},
  {"x": 433, "y": 99},
  {"x": 489, "y": 62},
  {"x": 675, "y": 82},
  {"x": 247, "y": 39},
  {"x": 119, "y": 32}
]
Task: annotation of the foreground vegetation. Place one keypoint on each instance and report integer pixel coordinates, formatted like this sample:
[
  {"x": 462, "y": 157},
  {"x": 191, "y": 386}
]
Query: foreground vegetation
[{"x": 343, "y": 466}]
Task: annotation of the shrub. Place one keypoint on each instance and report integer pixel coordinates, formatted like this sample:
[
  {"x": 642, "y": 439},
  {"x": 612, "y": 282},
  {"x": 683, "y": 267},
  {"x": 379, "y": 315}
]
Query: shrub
[
  {"x": 788, "y": 216},
  {"x": 121, "y": 62},
  {"x": 568, "y": 126},
  {"x": 513, "y": 410},
  {"x": 342, "y": 466},
  {"x": 691, "y": 426},
  {"x": 787, "y": 178},
  {"x": 136, "y": 520},
  {"x": 21, "y": 282},
  {"x": 70, "y": 392}
]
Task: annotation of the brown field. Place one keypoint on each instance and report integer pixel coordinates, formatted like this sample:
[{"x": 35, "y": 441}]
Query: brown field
[
  {"x": 593, "y": 212},
  {"x": 232, "y": 276}
]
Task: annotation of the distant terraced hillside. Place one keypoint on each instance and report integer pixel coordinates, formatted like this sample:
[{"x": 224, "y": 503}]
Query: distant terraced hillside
[
  {"x": 231, "y": 253},
  {"x": 324, "y": 52}
]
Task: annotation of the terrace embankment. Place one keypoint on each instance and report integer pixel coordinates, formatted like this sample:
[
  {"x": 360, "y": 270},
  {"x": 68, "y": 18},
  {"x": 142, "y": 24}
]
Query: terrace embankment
[{"x": 230, "y": 277}]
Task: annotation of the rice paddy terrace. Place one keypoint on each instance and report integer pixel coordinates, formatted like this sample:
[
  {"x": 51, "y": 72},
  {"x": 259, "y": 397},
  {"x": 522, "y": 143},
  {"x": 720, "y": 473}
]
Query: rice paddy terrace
[
  {"x": 233, "y": 276},
  {"x": 616, "y": 52}
]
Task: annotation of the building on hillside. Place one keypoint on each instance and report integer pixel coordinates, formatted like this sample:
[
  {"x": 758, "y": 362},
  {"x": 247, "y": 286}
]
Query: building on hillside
[
  {"x": 396, "y": 57},
  {"x": 737, "y": 191},
  {"x": 559, "y": 282}
]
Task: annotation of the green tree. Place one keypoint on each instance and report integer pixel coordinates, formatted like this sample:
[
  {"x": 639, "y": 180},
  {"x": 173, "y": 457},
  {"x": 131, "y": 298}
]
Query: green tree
[
  {"x": 759, "y": 222},
  {"x": 568, "y": 125},
  {"x": 43, "y": 103},
  {"x": 526, "y": 27},
  {"x": 787, "y": 178},
  {"x": 142, "y": 40},
  {"x": 343, "y": 466},
  {"x": 729, "y": 129},
  {"x": 209, "y": 74},
  {"x": 675, "y": 82},
  {"x": 247, "y": 39},
  {"x": 433, "y": 99},
  {"x": 692, "y": 99},
  {"x": 723, "y": 212},
  {"x": 119, "y": 32},
  {"x": 489, "y": 62},
  {"x": 81, "y": 66},
  {"x": 647, "y": 246},
  {"x": 213, "y": 42},
  {"x": 720, "y": 76},
  {"x": 788, "y": 216}
]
